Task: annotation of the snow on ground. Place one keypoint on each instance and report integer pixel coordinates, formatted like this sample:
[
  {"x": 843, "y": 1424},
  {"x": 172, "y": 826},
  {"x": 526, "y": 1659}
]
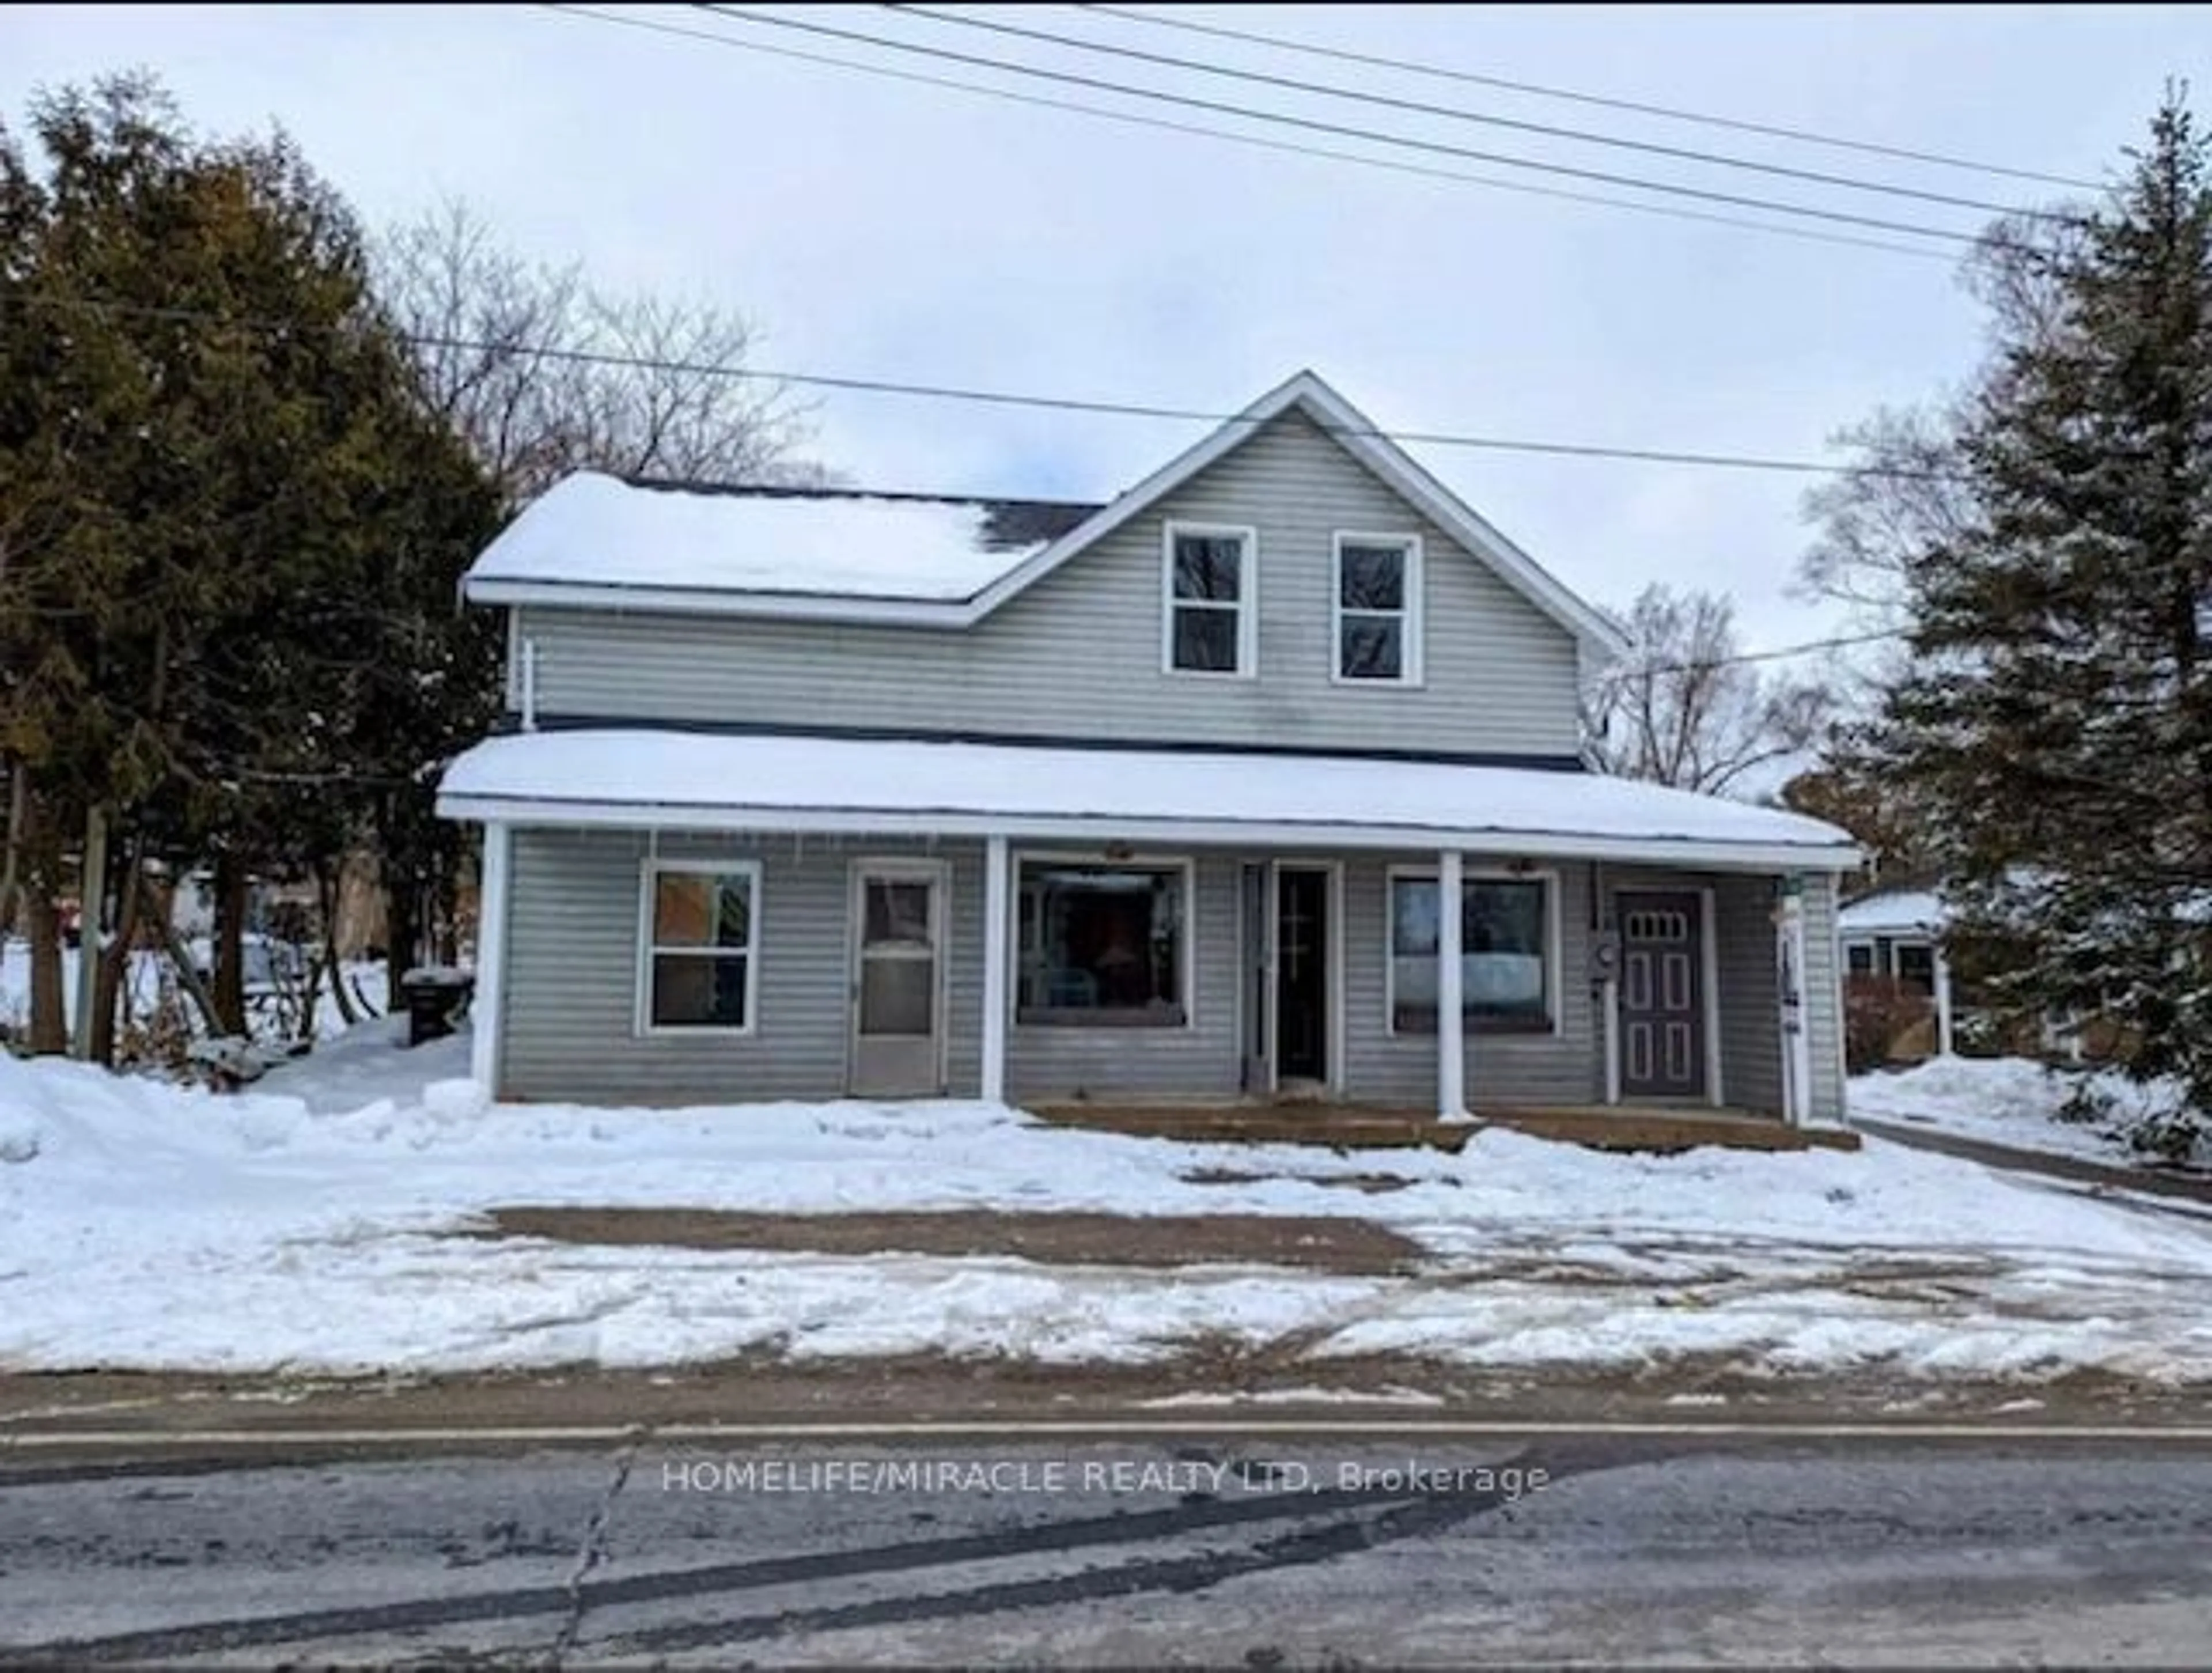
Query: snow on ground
[
  {"x": 2014, "y": 1101},
  {"x": 317, "y": 1223}
]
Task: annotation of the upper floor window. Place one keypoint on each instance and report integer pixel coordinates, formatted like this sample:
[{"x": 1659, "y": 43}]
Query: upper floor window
[
  {"x": 1377, "y": 609},
  {"x": 1210, "y": 626}
]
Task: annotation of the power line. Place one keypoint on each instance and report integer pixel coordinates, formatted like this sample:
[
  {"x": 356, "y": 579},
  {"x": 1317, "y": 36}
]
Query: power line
[
  {"x": 1669, "y": 112},
  {"x": 1001, "y": 397},
  {"x": 1343, "y": 131},
  {"x": 1457, "y": 114},
  {"x": 1258, "y": 142}
]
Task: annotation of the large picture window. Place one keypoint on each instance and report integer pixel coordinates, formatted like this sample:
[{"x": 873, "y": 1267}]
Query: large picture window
[
  {"x": 1377, "y": 609},
  {"x": 1209, "y": 619},
  {"x": 1506, "y": 981},
  {"x": 1103, "y": 945},
  {"x": 700, "y": 936}
]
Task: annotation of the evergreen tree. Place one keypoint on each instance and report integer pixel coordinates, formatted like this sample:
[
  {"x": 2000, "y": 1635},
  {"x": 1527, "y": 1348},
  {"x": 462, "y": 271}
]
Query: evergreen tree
[{"x": 2055, "y": 727}]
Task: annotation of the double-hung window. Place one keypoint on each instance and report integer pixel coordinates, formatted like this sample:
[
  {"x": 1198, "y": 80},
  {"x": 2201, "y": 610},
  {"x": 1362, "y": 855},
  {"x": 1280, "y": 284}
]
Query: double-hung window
[
  {"x": 1506, "y": 981},
  {"x": 1210, "y": 624},
  {"x": 699, "y": 945},
  {"x": 1376, "y": 610}
]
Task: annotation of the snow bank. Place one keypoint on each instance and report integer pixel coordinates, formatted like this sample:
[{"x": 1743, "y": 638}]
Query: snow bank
[{"x": 2015, "y": 1101}]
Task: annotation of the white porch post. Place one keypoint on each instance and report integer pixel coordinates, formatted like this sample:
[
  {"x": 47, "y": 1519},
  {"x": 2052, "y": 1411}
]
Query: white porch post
[
  {"x": 997, "y": 890},
  {"x": 1942, "y": 1002},
  {"x": 1796, "y": 1000},
  {"x": 487, "y": 1001},
  {"x": 1451, "y": 1028}
]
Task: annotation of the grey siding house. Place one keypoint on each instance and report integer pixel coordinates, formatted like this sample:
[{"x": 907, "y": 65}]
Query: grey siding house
[{"x": 1260, "y": 782}]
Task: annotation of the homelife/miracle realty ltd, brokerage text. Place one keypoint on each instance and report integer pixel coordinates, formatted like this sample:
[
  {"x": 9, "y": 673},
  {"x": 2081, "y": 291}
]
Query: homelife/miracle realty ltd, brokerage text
[{"x": 867, "y": 1476}]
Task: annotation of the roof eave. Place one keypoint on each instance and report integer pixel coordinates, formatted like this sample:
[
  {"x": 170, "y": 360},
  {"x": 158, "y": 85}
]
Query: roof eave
[{"x": 602, "y": 814}]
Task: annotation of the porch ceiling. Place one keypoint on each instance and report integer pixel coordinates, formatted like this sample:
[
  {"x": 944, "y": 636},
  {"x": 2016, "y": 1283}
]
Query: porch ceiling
[{"x": 644, "y": 778}]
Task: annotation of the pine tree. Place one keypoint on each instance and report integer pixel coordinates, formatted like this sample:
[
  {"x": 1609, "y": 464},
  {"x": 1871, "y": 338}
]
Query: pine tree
[{"x": 2056, "y": 725}]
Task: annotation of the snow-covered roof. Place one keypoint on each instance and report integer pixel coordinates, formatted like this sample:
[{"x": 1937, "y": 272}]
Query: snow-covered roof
[
  {"x": 919, "y": 559},
  {"x": 594, "y": 531},
  {"x": 678, "y": 779},
  {"x": 1895, "y": 912}
]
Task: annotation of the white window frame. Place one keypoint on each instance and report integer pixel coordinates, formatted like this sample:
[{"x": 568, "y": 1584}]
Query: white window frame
[
  {"x": 1247, "y": 606},
  {"x": 650, "y": 872},
  {"x": 1410, "y": 636},
  {"x": 1186, "y": 953},
  {"x": 1555, "y": 982}
]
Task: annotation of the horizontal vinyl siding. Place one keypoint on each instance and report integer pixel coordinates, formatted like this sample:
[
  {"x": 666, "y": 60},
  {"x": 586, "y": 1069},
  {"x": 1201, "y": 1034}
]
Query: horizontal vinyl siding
[
  {"x": 1751, "y": 1007},
  {"x": 569, "y": 1017},
  {"x": 1078, "y": 653},
  {"x": 1502, "y": 1070}
]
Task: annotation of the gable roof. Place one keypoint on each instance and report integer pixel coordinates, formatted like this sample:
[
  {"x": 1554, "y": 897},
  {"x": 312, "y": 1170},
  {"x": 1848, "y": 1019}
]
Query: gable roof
[
  {"x": 596, "y": 539},
  {"x": 1357, "y": 434}
]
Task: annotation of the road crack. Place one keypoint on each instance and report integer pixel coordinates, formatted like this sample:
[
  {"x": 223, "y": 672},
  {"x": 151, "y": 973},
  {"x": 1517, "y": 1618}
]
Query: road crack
[{"x": 593, "y": 1551}]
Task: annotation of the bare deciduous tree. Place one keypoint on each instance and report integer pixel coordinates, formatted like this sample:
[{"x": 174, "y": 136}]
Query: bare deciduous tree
[
  {"x": 510, "y": 353},
  {"x": 1682, "y": 708}
]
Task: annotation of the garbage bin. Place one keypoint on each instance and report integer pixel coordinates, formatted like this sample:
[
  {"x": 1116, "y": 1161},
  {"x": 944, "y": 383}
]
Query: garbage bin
[{"x": 436, "y": 996}]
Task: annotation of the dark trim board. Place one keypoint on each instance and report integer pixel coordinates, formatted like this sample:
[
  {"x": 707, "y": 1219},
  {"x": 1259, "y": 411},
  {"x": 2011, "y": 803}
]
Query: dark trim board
[{"x": 511, "y": 721}]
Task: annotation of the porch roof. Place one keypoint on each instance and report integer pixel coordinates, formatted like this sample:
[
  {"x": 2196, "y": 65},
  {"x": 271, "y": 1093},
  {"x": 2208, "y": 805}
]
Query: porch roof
[{"x": 645, "y": 778}]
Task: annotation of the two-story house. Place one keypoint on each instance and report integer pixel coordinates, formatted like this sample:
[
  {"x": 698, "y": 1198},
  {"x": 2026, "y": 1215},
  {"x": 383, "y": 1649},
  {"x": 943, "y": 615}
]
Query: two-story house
[{"x": 1261, "y": 781}]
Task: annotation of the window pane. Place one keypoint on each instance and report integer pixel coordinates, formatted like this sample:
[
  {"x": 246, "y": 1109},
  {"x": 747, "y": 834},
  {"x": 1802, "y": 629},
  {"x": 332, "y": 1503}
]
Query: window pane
[
  {"x": 897, "y": 914},
  {"x": 1502, "y": 953},
  {"x": 1370, "y": 648},
  {"x": 1205, "y": 639},
  {"x": 698, "y": 990},
  {"x": 898, "y": 996},
  {"x": 1915, "y": 965},
  {"x": 1209, "y": 566},
  {"x": 1414, "y": 917},
  {"x": 1106, "y": 941},
  {"x": 1372, "y": 578},
  {"x": 1502, "y": 938},
  {"x": 701, "y": 909}
]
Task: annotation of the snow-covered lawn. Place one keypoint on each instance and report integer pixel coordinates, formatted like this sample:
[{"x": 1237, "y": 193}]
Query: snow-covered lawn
[
  {"x": 2012, "y": 1101},
  {"x": 310, "y": 1225}
]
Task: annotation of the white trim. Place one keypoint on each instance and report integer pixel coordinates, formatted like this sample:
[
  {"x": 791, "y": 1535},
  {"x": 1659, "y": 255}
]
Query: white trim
[
  {"x": 998, "y": 954},
  {"x": 1090, "y": 829},
  {"x": 1708, "y": 982},
  {"x": 1346, "y": 425},
  {"x": 1612, "y": 1004},
  {"x": 529, "y": 686},
  {"x": 1333, "y": 910},
  {"x": 1451, "y": 1000},
  {"x": 650, "y": 868},
  {"x": 1185, "y": 951},
  {"x": 905, "y": 867},
  {"x": 1246, "y": 604},
  {"x": 1412, "y": 629},
  {"x": 490, "y": 997},
  {"x": 1554, "y": 942},
  {"x": 722, "y": 601}
]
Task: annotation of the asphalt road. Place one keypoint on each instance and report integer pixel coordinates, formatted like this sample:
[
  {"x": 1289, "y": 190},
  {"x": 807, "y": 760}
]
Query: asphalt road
[{"x": 1696, "y": 1548}]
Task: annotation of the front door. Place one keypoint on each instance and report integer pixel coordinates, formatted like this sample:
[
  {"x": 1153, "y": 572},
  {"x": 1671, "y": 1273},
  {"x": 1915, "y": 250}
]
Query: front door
[
  {"x": 1662, "y": 1015},
  {"x": 898, "y": 1009},
  {"x": 1301, "y": 972}
]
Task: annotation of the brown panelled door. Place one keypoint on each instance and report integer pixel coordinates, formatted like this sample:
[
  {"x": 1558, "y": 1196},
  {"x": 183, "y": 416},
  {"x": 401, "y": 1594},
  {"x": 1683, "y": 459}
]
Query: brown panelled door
[{"x": 1662, "y": 998}]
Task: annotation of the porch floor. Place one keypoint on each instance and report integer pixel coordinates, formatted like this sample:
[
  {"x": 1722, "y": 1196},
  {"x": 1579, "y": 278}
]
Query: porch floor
[{"x": 1383, "y": 1127}]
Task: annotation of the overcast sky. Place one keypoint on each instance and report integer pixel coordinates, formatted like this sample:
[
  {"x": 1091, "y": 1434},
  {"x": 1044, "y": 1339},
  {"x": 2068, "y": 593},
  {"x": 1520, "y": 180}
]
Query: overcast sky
[{"x": 881, "y": 229}]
